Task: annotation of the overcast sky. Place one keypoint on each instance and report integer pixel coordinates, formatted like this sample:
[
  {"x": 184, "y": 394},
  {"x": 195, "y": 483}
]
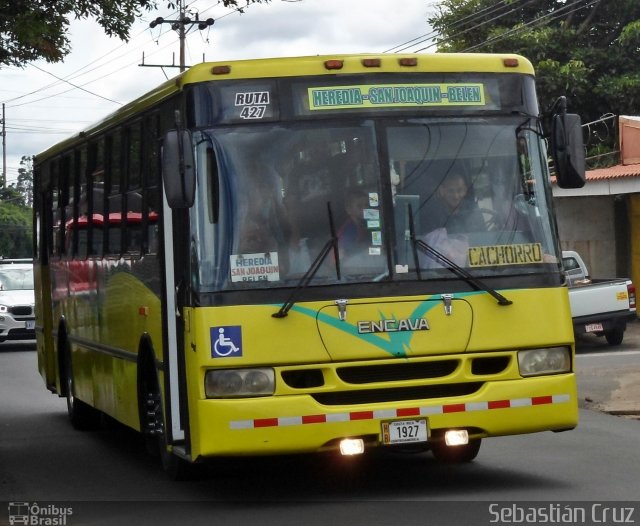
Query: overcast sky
[{"x": 42, "y": 110}]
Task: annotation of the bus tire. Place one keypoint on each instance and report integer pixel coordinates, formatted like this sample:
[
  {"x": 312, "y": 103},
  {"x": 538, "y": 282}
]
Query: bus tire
[
  {"x": 152, "y": 425},
  {"x": 82, "y": 416},
  {"x": 456, "y": 454}
]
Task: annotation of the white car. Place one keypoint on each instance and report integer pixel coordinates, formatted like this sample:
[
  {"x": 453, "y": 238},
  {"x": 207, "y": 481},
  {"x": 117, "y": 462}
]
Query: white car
[{"x": 17, "y": 301}]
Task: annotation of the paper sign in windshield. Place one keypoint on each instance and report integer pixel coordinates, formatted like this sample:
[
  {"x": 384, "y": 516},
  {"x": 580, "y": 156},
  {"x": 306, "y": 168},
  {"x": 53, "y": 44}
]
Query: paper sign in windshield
[
  {"x": 396, "y": 95},
  {"x": 520, "y": 254},
  {"x": 255, "y": 267}
]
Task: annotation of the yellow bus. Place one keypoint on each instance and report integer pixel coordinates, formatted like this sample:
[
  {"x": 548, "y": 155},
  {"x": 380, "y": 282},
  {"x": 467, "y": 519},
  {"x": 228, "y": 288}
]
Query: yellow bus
[{"x": 312, "y": 254}]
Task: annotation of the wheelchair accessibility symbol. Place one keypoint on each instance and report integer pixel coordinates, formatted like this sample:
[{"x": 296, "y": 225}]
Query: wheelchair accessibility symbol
[{"x": 226, "y": 342}]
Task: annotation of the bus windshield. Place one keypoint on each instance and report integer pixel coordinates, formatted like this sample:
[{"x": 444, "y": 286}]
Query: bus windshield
[{"x": 472, "y": 189}]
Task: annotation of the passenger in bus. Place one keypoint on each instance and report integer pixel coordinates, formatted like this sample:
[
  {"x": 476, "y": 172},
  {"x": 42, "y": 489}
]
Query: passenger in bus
[
  {"x": 353, "y": 235},
  {"x": 453, "y": 208},
  {"x": 309, "y": 185},
  {"x": 265, "y": 226},
  {"x": 449, "y": 217}
]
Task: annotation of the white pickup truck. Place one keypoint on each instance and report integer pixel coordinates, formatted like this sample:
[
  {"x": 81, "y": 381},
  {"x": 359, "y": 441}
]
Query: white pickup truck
[{"x": 599, "y": 306}]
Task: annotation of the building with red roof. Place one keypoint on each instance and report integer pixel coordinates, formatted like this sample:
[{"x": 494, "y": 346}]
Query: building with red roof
[{"x": 602, "y": 219}]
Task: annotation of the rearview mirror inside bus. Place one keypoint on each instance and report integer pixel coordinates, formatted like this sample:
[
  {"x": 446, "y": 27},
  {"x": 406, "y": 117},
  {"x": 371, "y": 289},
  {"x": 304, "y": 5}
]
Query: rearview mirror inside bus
[
  {"x": 178, "y": 172},
  {"x": 568, "y": 151}
]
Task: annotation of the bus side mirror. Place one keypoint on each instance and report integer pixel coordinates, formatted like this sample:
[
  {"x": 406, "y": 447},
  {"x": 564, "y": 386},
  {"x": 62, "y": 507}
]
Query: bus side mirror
[
  {"x": 567, "y": 149},
  {"x": 178, "y": 169}
]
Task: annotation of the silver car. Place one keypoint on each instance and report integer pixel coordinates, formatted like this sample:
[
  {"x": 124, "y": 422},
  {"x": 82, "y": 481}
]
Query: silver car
[{"x": 17, "y": 317}]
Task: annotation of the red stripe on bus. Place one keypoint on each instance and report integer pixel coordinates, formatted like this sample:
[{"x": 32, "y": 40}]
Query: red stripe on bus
[
  {"x": 265, "y": 422},
  {"x": 361, "y": 415},
  {"x": 409, "y": 411},
  {"x": 314, "y": 419},
  {"x": 541, "y": 400},
  {"x": 499, "y": 404}
]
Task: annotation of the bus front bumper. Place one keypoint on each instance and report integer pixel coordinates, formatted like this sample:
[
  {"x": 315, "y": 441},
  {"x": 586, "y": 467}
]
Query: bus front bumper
[{"x": 298, "y": 424}]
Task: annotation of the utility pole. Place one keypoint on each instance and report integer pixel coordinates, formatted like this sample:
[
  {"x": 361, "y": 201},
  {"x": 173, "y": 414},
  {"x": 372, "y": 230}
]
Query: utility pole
[
  {"x": 179, "y": 25},
  {"x": 3, "y": 183}
]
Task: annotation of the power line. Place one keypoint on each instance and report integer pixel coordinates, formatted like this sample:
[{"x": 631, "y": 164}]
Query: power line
[
  {"x": 483, "y": 23},
  {"x": 541, "y": 20},
  {"x": 434, "y": 33},
  {"x": 76, "y": 86}
]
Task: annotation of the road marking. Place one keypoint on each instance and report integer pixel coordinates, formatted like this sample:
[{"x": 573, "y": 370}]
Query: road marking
[{"x": 607, "y": 353}]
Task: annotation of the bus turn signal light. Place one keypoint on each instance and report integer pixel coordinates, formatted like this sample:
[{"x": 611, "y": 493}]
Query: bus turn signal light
[
  {"x": 221, "y": 70},
  {"x": 408, "y": 61},
  {"x": 333, "y": 64},
  {"x": 371, "y": 62}
]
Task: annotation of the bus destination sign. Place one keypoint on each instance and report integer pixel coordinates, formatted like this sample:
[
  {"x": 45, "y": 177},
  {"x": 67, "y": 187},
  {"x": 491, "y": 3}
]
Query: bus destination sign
[{"x": 396, "y": 95}]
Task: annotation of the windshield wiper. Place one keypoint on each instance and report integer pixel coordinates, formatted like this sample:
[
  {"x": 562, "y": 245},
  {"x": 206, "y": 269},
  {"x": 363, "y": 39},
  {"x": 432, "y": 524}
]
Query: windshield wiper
[
  {"x": 448, "y": 264},
  {"x": 330, "y": 245}
]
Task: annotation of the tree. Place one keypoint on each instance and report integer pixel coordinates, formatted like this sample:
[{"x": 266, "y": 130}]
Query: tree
[
  {"x": 24, "y": 184},
  {"x": 16, "y": 213},
  {"x": 585, "y": 49},
  {"x": 15, "y": 228},
  {"x": 37, "y": 29}
]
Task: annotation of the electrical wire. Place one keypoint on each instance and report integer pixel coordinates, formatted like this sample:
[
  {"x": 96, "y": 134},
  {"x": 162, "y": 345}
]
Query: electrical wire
[
  {"x": 537, "y": 22},
  {"x": 435, "y": 33}
]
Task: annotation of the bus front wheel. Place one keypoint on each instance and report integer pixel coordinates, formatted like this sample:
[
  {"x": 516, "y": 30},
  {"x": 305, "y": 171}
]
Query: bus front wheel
[{"x": 153, "y": 429}]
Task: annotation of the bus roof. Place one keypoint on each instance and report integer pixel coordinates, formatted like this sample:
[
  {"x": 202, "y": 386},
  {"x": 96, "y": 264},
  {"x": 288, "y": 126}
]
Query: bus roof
[{"x": 306, "y": 66}]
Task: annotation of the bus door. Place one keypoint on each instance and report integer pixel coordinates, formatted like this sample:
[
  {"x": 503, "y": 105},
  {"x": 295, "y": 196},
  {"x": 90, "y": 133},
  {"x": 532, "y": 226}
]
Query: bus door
[
  {"x": 178, "y": 177},
  {"x": 44, "y": 327},
  {"x": 175, "y": 399}
]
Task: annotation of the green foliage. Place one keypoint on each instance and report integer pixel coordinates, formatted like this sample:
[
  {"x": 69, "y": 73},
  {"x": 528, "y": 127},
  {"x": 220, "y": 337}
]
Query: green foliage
[
  {"x": 24, "y": 184},
  {"x": 15, "y": 230},
  {"x": 35, "y": 29},
  {"x": 16, "y": 214},
  {"x": 580, "y": 48}
]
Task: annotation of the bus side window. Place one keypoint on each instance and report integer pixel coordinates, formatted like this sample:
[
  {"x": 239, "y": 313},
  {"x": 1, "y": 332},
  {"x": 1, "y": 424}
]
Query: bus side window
[
  {"x": 133, "y": 238},
  {"x": 113, "y": 187},
  {"x": 95, "y": 197},
  {"x": 67, "y": 190},
  {"x": 57, "y": 212},
  {"x": 151, "y": 189},
  {"x": 80, "y": 242}
]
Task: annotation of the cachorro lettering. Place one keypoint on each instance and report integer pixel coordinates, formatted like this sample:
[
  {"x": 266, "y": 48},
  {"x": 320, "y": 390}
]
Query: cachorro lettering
[{"x": 522, "y": 254}]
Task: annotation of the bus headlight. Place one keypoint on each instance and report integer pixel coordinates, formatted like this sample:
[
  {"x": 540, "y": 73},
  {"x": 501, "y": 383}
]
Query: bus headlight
[
  {"x": 234, "y": 383},
  {"x": 551, "y": 360}
]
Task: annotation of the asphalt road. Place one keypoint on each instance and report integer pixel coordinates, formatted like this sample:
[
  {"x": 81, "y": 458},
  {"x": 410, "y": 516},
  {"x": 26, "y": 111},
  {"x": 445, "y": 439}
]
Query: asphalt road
[
  {"x": 105, "y": 477},
  {"x": 609, "y": 376}
]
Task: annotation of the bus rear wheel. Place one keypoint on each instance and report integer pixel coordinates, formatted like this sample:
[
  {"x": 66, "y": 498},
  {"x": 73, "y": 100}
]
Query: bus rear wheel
[{"x": 81, "y": 415}]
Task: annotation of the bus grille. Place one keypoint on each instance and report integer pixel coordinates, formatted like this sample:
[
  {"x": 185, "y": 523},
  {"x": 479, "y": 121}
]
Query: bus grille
[
  {"x": 397, "y": 394},
  {"x": 398, "y": 372}
]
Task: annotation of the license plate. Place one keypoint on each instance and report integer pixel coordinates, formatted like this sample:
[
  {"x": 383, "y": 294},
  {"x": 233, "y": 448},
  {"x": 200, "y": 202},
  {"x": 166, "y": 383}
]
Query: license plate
[
  {"x": 30, "y": 324},
  {"x": 593, "y": 327},
  {"x": 404, "y": 431}
]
